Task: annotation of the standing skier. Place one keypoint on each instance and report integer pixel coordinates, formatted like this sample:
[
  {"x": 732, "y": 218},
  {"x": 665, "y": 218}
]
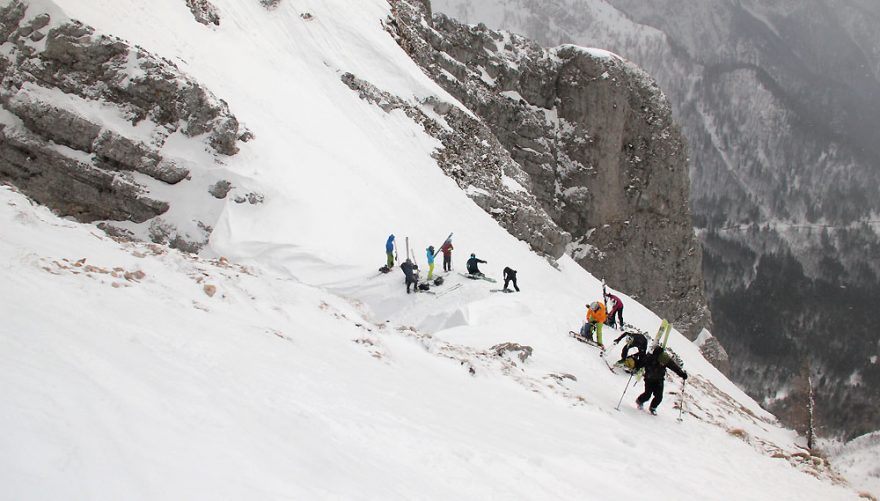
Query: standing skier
[
  {"x": 472, "y": 267},
  {"x": 409, "y": 270},
  {"x": 510, "y": 276},
  {"x": 616, "y": 309},
  {"x": 655, "y": 366},
  {"x": 430, "y": 253},
  {"x": 389, "y": 250},
  {"x": 446, "y": 249},
  {"x": 596, "y": 317},
  {"x": 635, "y": 340}
]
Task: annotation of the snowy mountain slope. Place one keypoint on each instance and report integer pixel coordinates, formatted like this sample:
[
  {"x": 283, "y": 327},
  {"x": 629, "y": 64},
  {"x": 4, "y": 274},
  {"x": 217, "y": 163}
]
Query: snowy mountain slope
[
  {"x": 140, "y": 385},
  {"x": 269, "y": 388}
]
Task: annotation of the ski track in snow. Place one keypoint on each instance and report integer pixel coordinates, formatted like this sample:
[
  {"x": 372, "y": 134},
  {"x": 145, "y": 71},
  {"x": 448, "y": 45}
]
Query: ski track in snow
[{"x": 289, "y": 368}]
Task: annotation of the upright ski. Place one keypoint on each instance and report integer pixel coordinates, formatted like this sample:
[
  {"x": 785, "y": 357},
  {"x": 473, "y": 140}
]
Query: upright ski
[
  {"x": 441, "y": 245},
  {"x": 604, "y": 295},
  {"x": 662, "y": 334}
]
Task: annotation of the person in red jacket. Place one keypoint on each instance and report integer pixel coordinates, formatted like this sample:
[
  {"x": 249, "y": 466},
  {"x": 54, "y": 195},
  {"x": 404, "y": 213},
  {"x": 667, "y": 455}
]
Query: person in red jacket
[
  {"x": 616, "y": 309},
  {"x": 446, "y": 249}
]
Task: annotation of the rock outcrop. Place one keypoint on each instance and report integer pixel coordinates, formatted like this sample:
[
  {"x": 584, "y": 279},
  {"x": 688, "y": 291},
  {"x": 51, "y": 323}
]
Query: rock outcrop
[
  {"x": 473, "y": 157},
  {"x": 84, "y": 114},
  {"x": 595, "y": 136},
  {"x": 204, "y": 11}
]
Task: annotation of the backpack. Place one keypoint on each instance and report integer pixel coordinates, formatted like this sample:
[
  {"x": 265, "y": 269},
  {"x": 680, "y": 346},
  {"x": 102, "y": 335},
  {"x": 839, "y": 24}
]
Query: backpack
[
  {"x": 438, "y": 281},
  {"x": 669, "y": 355}
]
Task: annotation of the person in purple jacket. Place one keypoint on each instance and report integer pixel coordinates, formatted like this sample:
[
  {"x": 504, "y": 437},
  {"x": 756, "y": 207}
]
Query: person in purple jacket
[{"x": 615, "y": 308}]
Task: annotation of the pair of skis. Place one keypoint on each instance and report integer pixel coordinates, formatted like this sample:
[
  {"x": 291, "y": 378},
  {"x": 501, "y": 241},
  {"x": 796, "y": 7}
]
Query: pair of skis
[
  {"x": 590, "y": 342},
  {"x": 450, "y": 289}
]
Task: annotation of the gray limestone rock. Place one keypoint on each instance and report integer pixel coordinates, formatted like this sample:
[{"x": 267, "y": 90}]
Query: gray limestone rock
[
  {"x": 80, "y": 167},
  {"x": 56, "y": 124},
  {"x": 220, "y": 189},
  {"x": 120, "y": 153},
  {"x": 713, "y": 351},
  {"x": 69, "y": 186},
  {"x": 204, "y": 11},
  {"x": 521, "y": 352}
]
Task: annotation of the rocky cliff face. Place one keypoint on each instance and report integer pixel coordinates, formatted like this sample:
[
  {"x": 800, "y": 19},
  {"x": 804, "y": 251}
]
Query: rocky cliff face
[
  {"x": 85, "y": 117},
  {"x": 781, "y": 114},
  {"x": 597, "y": 139}
]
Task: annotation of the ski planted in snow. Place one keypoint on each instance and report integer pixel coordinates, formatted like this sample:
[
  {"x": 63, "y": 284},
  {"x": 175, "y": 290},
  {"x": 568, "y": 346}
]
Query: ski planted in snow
[{"x": 681, "y": 402}]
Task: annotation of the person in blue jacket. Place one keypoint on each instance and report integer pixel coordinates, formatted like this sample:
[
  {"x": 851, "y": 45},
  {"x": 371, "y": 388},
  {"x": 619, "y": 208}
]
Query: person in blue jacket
[
  {"x": 389, "y": 250},
  {"x": 430, "y": 253}
]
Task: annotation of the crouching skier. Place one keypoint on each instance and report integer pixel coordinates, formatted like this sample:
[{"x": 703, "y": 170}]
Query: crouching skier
[
  {"x": 473, "y": 266},
  {"x": 635, "y": 340},
  {"x": 510, "y": 276},
  {"x": 655, "y": 365},
  {"x": 409, "y": 270},
  {"x": 596, "y": 317}
]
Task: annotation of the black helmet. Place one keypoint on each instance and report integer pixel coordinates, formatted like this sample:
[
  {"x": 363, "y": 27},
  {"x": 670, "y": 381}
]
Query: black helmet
[{"x": 473, "y": 255}]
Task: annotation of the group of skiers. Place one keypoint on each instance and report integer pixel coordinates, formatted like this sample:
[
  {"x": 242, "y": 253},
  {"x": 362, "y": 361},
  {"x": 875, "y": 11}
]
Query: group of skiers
[
  {"x": 652, "y": 365},
  {"x": 410, "y": 269}
]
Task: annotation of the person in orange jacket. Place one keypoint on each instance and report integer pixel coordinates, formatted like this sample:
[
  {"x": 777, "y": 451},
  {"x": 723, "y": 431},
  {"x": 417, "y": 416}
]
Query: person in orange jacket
[{"x": 596, "y": 317}]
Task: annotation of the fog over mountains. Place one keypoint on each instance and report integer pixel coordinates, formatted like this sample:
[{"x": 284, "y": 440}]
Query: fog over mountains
[{"x": 780, "y": 102}]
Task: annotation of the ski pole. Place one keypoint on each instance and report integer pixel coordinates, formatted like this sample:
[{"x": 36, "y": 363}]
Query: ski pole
[
  {"x": 681, "y": 403},
  {"x": 624, "y": 392}
]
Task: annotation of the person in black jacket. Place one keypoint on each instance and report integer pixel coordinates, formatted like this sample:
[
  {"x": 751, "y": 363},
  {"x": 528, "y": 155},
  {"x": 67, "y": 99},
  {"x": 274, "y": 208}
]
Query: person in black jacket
[
  {"x": 472, "y": 267},
  {"x": 655, "y": 365},
  {"x": 635, "y": 340},
  {"x": 408, "y": 269},
  {"x": 510, "y": 276}
]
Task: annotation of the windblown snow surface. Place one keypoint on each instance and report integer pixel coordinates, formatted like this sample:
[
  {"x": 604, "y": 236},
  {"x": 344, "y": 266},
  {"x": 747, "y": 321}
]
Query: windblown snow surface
[{"x": 280, "y": 364}]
